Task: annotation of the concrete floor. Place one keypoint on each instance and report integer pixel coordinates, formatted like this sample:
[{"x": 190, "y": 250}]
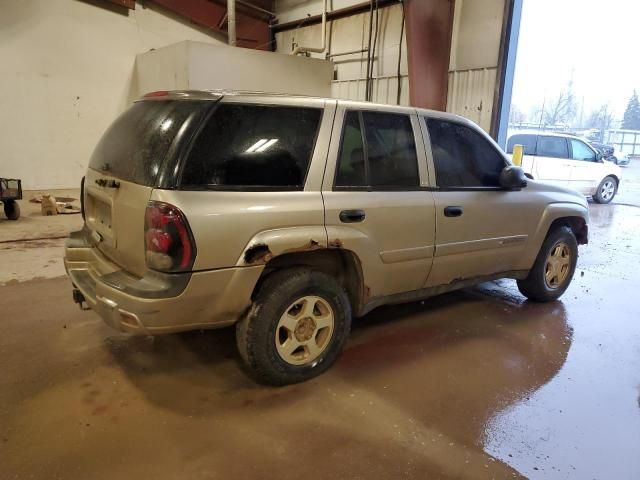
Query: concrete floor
[{"x": 473, "y": 384}]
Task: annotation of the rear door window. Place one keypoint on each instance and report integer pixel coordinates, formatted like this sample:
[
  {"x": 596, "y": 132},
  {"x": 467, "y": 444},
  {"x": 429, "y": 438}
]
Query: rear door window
[
  {"x": 391, "y": 151},
  {"x": 384, "y": 158},
  {"x": 253, "y": 147},
  {"x": 134, "y": 148},
  {"x": 351, "y": 164},
  {"x": 555, "y": 147},
  {"x": 462, "y": 156},
  {"x": 527, "y": 141}
]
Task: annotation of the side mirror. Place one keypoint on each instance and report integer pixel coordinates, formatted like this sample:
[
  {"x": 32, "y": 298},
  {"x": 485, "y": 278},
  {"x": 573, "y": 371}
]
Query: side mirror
[
  {"x": 513, "y": 178},
  {"x": 598, "y": 157}
]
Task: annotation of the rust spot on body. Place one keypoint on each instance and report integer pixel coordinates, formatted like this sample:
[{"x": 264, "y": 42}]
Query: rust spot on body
[
  {"x": 335, "y": 243},
  {"x": 259, "y": 253},
  {"x": 307, "y": 247},
  {"x": 367, "y": 294}
]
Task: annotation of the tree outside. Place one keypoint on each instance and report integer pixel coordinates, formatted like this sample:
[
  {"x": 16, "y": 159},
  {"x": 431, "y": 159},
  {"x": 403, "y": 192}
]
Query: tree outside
[
  {"x": 631, "y": 119},
  {"x": 561, "y": 109},
  {"x": 600, "y": 118}
]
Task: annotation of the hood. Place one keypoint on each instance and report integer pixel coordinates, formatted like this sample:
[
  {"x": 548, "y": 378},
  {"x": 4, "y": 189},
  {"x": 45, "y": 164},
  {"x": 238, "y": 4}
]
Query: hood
[{"x": 560, "y": 194}]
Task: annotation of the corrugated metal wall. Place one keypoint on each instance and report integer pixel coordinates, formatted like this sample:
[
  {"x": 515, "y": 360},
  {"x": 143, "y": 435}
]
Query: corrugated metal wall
[
  {"x": 471, "y": 94},
  {"x": 385, "y": 89},
  {"x": 352, "y": 34},
  {"x": 475, "y": 52}
]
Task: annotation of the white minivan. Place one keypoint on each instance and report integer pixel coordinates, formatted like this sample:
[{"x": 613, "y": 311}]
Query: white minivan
[{"x": 567, "y": 161}]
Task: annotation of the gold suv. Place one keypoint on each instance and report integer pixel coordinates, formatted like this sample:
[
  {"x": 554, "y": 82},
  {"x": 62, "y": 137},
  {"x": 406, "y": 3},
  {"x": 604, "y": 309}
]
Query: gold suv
[{"x": 288, "y": 216}]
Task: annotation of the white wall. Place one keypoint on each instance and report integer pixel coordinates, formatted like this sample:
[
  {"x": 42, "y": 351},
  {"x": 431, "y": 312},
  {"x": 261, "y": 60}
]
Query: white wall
[
  {"x": 66, "y": 71},
  {"x": 349, "y": 34}
]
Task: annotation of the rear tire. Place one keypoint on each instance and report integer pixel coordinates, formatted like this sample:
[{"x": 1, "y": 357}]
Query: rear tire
[
  {"x": 554, "y": 267},
  {"x": 295, "y": 328},
  {"x": 12, "y": 209},
  {"x": 606, "y": 190}
]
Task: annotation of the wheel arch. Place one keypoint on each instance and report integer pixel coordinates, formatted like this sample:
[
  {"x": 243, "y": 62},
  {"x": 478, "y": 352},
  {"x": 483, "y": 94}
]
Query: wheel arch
[
  {"x": 573, "y": 215},
  {"x": 578, "y": 226},
  {"x": 614, "y": 176},
  {"x": 341, "y": 264}
]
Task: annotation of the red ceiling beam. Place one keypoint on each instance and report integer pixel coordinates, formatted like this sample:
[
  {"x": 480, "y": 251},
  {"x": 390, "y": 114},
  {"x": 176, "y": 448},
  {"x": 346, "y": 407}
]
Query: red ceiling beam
[
  {"x": 251, "y": 32},
  {"x": 429, "y": 28},
  {"x": 130, "y": 4}
]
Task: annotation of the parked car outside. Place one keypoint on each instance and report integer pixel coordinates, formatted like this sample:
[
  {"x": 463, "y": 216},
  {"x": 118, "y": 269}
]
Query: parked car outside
[
  {"x": 608, "y": 153},
  {"x": 288, "y": 216},
  {"x": 568, "y": 161}
]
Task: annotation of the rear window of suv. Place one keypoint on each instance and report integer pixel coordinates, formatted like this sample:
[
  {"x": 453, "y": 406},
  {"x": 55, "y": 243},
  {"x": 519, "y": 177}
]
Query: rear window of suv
[
  {"x": 135, "y": 146},
  {"x": 255, "y": 147}
]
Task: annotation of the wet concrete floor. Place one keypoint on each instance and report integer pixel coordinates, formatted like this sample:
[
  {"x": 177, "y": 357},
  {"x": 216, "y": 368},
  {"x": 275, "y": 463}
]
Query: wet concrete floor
[{"x": 473, "y": 384}]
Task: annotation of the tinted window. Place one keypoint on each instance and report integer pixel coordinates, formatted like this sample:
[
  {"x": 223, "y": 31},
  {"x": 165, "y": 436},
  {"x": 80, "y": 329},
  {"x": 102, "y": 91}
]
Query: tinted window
[
  {"x": 388, "y": 161},
  {"x": 391, "y": 150},
  {"x": 552, "y": 147},
  {"x": 462, "y": 156},
  {"x": 253, "y": 146},
  {"x": 351, "y": 165},
  {"x": 136, "y": 144},
  {"x": 580, "y": 151},
  {"x": 527, "y": 141}
]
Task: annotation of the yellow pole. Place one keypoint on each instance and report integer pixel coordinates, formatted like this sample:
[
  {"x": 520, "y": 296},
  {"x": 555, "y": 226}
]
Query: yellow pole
[{"x": 518, "y": 152}]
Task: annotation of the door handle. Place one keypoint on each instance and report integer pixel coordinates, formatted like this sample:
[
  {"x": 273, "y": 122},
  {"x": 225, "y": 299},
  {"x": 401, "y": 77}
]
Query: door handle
[
  {"x": 453, "y": 211},
  {"x": 352, "y": 216}
]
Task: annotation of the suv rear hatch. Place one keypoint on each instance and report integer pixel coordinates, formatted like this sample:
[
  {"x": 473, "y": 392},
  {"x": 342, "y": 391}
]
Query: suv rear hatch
[{"x": 137, "y": 153}]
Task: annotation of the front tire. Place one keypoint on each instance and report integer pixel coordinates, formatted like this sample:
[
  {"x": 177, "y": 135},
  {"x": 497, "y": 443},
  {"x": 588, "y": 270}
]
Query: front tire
[
  {"x": 12, "y": 209},
  {"x": 295, "y": 328},
  {"x": 554, "y": 267},
  {"x": 606, "y": 190}
]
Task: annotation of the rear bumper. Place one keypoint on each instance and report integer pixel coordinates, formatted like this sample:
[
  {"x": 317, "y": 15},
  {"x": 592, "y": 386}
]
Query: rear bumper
[{"x": 157, "y": 303}]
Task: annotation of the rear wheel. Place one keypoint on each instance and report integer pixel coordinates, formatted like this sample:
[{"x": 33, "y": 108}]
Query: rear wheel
[
  {"x": 296, "y": 327},
  {"x": 606, "y": 190},
  {"x": 554, "y": 267},
  {"x": 12, "y": 209}
]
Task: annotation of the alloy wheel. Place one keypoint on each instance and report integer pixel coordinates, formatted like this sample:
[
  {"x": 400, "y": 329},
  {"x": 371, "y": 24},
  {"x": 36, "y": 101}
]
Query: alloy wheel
[
  {"x": 558, "y": 264},
  {"x": 304, "y": 330}
]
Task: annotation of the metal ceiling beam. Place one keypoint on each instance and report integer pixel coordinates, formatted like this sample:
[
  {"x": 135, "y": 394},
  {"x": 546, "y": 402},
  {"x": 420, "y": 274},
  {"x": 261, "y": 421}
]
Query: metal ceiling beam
[
  {"x": 204, "y": 13},
  {"x": 332, "y": 15},
  {"x": 429, "y": 26},
  {"x": 252, "y": 29}
]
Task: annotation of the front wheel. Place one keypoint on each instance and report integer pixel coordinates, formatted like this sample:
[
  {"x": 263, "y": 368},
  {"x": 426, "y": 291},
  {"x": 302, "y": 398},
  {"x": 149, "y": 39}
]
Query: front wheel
[
  {"x": 12, "y": 209},
  {"x": 296, "y": 327},
  {"x": 554, "y": 267},
  {"x": 606, "y": 190}
]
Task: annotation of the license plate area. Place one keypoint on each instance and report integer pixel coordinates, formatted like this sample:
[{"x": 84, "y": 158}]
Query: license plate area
[
  {"x": 101, "y": 214},
  {"x": 98, "y": 212}
]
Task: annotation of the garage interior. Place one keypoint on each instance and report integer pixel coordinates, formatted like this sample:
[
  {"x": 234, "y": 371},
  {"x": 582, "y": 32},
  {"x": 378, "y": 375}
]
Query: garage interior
[{"x": 478, "y": 383}]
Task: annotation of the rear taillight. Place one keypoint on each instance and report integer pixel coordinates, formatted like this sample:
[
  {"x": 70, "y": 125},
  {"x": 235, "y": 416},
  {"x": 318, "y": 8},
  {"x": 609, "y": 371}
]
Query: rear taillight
[{"x": 168, "y": 240}]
